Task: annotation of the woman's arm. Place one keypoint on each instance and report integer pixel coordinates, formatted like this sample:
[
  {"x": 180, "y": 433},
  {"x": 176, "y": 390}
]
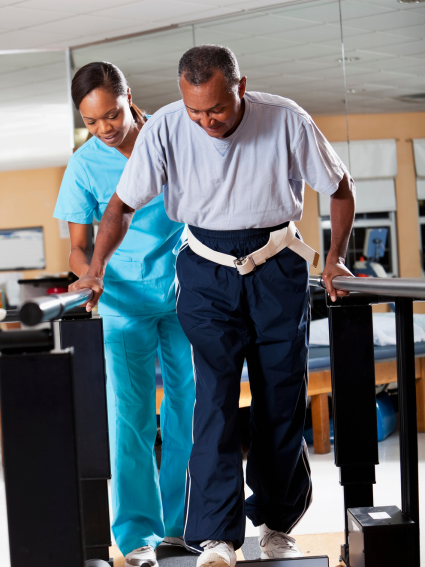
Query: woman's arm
[
  {"x": 81, "y": 248},
  {"x": 112, "y": 230}
]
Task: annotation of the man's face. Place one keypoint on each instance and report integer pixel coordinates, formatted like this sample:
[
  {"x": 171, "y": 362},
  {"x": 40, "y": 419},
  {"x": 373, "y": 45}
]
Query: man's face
[{"x": 211, "y": 105}]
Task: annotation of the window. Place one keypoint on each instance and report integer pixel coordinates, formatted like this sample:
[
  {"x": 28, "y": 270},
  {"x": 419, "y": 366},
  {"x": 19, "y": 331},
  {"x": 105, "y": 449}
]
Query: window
[{"x": 362, "y": 222}]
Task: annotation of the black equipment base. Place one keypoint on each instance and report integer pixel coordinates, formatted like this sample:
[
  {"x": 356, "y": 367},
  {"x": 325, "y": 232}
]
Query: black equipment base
[
  {"x": 380, "y": 537},
  {"x": 40, "y": 460}
]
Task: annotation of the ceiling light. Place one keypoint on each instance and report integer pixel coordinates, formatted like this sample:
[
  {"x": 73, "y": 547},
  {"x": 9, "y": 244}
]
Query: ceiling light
[
  {"x": 355, "y": 91},
  {"x": 350, "y": 59}
]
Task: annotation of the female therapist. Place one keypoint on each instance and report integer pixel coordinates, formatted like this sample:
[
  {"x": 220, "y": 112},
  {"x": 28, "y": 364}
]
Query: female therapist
[{"x": 139, "y": 317}]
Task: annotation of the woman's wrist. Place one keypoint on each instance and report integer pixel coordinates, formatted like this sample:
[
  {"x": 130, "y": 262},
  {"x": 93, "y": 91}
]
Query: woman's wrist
[{"x": 96, "y": 270}]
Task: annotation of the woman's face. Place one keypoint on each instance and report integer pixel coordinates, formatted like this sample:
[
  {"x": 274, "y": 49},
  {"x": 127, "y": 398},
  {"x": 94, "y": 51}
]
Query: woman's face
[{"x": 107, "y": 117}]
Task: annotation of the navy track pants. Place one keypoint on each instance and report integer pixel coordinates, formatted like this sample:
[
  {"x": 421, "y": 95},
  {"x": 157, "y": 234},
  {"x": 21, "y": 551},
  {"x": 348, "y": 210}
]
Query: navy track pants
[{"x": 263, "y": 317}]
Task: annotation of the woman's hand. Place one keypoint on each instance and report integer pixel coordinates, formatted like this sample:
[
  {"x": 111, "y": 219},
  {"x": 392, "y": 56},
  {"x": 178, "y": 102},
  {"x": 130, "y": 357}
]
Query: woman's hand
[{"x": 92, "y": 282}]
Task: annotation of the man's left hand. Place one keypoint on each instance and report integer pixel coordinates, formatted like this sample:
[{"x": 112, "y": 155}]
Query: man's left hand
[{"x": 333, "y": 268}]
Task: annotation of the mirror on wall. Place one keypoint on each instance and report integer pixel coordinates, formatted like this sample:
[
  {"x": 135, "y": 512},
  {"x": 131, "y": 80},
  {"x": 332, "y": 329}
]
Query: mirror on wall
[
  {"x": 148, "y": 61},
  {"x": 36, "y": 122},
  {"x": 384, "y": 55},
  {"x": 293, "y": 51}
]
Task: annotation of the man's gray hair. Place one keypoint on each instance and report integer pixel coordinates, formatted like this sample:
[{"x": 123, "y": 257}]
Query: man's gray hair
[{"x": 199, "y": 64}]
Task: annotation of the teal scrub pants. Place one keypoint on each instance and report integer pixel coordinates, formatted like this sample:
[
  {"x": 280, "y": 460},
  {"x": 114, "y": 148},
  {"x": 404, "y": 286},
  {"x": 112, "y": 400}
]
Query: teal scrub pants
[{"x": 146, "y": 505}]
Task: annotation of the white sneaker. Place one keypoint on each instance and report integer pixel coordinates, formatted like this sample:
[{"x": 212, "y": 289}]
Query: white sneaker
[
  {"x": 179, "y": 541},
  {"x": 277, "y": 544},
  {"x": 141, "y": 557},
  {"x": 217, "y": 554}
]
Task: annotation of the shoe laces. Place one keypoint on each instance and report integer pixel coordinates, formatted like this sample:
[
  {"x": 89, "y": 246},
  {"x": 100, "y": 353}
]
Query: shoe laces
[
  {"x": 143, "y": 548},
  {"x": 210, "y": 544},
  {"x": 278, "y": 539}
]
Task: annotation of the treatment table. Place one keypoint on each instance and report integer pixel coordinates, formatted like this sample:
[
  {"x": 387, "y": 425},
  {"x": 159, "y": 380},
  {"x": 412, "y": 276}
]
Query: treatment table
[{"x": 320, "y": 386}]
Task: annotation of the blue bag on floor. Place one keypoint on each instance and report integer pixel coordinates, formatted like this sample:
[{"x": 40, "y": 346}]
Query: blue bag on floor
[{"x": 385, "y": 415}]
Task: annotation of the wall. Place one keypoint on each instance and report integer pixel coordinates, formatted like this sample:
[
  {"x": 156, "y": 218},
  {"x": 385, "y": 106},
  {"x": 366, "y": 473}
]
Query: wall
[{"x": 27, "y": 198}]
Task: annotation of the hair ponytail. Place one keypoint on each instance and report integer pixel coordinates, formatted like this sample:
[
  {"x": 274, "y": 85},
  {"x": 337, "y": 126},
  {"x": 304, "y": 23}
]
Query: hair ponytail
[
  {"x": 138, "y": 114},
  {"x": 106, "y": 76}
]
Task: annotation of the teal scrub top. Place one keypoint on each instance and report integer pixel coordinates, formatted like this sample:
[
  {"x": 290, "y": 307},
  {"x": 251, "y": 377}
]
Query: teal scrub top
[{"x": 139, "y": 279}]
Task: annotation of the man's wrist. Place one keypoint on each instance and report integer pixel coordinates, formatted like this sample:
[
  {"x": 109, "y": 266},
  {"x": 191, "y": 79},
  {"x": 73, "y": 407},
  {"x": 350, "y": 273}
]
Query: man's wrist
[{"x": 335, "y": 258}]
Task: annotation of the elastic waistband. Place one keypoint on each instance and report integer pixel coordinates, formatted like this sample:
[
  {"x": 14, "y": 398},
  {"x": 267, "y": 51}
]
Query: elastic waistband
[{"x": 235, "y": 234}]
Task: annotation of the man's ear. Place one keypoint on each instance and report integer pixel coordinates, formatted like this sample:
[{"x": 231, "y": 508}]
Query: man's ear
[{"x": 242, "y": 87}]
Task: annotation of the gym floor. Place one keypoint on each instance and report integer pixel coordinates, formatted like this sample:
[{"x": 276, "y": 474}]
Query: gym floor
[{"x": 320, "y": 532}]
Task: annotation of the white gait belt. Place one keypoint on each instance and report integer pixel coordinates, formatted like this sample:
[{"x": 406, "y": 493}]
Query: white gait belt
[{"x": 279, "y": 239}]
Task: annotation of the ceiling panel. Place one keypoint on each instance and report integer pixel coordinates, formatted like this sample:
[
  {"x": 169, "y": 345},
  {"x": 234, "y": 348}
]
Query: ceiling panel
[
  {"x": 254, "y": 24},
  {"x": 84, "y": 23},
  {"x": 412, "y": 31},
  {"x": 298, "y": 51},
  {"x": 322, "y": 12},
  {"x": 321, "y": 33},
  {"x": 157, "y": 11},
  {"x": 408, "y": 65},
  {"x": 108, "y": 18},
  {"x": 27, "y": 39},
  {"x": 372, "y": 40},
  {"x": 16, "y": 17},
  {"x": 351, "y": 9},
  {"x": 414, "y": 48},
  {"x": 389, "y": 21},
  {"x": 73, "y": 7},
  {"x": 390, "y": 4}
]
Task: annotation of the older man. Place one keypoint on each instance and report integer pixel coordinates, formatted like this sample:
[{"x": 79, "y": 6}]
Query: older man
[{"x": 232, "y": 165}]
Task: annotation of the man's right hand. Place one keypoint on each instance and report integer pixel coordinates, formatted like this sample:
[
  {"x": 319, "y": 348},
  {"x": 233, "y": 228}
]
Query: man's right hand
[{"x": 91, "y": 282}]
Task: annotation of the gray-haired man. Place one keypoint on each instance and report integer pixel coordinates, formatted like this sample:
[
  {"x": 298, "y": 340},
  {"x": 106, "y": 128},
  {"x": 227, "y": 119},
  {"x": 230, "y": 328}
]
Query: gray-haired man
[{"x": 232, "y": 166}]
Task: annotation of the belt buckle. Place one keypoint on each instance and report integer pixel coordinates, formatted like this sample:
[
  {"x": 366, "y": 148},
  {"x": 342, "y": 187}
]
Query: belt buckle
[{"x": 239, "y": 261}]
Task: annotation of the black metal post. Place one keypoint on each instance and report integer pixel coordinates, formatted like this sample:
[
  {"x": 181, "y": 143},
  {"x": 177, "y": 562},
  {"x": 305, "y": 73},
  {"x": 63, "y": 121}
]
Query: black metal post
[
  {"x": 85, "y": 335},
  {"x": 353, "y": 387},
  {"x": 408, "y": 419}
]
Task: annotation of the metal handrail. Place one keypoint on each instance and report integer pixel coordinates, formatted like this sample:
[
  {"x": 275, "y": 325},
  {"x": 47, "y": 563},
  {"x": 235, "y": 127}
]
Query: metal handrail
[
  {"x": 42, "y": 309},
  {"x": 10, "y": 316},
  {"x": 396, "y": 287}
]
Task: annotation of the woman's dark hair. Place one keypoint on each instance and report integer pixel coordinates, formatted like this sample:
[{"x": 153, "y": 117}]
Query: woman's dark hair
[{"x": 106, "y": 76}]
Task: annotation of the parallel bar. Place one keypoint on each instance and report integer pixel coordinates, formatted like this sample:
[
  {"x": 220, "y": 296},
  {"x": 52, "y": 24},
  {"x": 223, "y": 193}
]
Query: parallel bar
[
  {"x": 28, "y": 340},
  {"x": 396, "y": 287},
  {"x": 407, "y": 409},
  {"x": 9, "y": 316},
  {"x": 42, "y": 309}
]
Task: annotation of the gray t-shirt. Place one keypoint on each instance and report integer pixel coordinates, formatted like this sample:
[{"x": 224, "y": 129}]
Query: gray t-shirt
[{"x": 252, "y": 179}]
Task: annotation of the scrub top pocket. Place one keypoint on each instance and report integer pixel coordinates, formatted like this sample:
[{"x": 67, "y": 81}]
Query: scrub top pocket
[
  {"x": 128, "y": 293},
  {"x": 116, "y": 360}
]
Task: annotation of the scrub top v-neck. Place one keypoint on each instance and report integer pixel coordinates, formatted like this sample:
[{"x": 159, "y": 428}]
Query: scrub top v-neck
[{"x": 139, "y": 278}]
